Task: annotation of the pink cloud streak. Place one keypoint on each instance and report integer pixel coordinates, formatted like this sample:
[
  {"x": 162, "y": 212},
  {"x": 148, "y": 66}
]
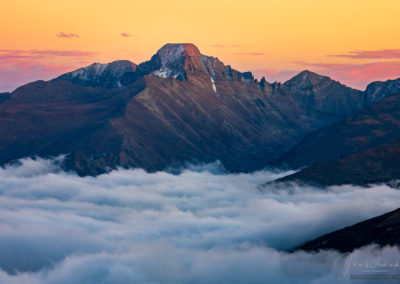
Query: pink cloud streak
[
  {"x": 371, "y": 54},
  {"x": 126, "y": 35},
  {"x": 19, "y": 54},
  {"x": 22, "y": 66},
  {"x": 64, "y": 35}
]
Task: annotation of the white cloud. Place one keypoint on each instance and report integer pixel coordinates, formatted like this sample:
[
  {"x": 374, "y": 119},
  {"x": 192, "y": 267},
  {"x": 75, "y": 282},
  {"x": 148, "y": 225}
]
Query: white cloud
[{"x": 197, "y": 226}]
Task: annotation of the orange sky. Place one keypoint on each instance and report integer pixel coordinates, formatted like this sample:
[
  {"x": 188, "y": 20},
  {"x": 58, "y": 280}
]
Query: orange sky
[{"x": 354, "y": 41}]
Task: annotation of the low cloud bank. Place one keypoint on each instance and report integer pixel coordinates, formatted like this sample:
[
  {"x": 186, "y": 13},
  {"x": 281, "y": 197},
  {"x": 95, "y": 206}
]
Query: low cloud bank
[{"x": 198, "y": 226}]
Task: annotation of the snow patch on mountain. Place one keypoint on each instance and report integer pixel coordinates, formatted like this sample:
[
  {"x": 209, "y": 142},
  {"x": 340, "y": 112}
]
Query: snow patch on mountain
[
  {"x": 107, "y": 75},
  {"x": 163, "y": 72},
  {"x": 213, "y": 84},
  {"x": 93, "y": 70}
]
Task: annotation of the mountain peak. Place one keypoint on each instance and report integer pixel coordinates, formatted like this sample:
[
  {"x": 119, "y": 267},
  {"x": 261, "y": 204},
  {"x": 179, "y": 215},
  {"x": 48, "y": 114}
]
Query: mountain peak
[
  {"x": 174, "y": 60},
  {"x": 308, "y": 76},
  {"x": 171, "y": 51},
  {"x": 177, "y": 60},
  {"x": 307, "y": 80},
  {"x": 376, "y": 91},
  {"x": 108, "y": 75}
]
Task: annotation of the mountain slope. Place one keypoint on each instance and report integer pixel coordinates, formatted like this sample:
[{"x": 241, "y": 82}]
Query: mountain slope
[
  {"x": 360, "y": 150},
  {"x": 110, "y": 75},
  {"x": 379, "y": 90},
  {"x": 320, "y": 93},
  {"x": 379, "y": 164},
  {"x": 180, "y": 106},
  {"x": 382, "y": 230},
  {"x": 4, "y": 96}
]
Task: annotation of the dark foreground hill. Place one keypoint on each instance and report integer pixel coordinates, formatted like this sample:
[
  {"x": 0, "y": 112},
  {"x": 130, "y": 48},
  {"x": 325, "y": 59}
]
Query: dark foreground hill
[{"x": 382, "y": 230}]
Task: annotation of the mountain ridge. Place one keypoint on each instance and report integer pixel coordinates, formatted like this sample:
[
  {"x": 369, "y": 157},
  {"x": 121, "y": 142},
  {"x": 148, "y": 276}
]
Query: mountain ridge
[
  {"x": 361, "y": 149},
  {"x": 180, "y": 106}
]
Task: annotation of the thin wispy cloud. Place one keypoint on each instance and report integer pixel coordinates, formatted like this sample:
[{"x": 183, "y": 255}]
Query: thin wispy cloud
[
  {"x": 36, "y": 54},
  {"x": 371, "y": 54},
  {"x": 250, "y": 53},
  {"x": 67, "y": 35},
  {"x": 126, "y": 35},
  {"x": 227, "y": 45},
  {"x": 64, "y": 53}
]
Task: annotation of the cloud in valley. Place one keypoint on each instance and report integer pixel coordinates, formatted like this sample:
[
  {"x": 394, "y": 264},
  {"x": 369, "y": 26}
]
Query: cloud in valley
[{"x": 198, "y": 226}]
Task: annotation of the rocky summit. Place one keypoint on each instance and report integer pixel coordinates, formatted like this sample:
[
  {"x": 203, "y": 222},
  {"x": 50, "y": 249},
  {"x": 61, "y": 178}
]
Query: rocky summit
[{"x": 179, "y": 107}]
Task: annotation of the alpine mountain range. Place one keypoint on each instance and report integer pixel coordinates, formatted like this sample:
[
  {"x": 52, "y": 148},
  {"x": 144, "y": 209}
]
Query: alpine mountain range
[{"x": 185, "y": 107}]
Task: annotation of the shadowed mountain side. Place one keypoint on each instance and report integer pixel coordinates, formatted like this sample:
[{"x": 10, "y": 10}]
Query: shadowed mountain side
[
  {"x": 4, "y": 96},
  {"x": 180, "y": 106},
  {"x": 382, "y": 230},
  {"x": 359, "y": 150},
  {"x": 370, "y": 127},
  {"x": 53, "y": 118},
  {"x": 320, "y": 93},
  {"x": 374, "y": 165}
]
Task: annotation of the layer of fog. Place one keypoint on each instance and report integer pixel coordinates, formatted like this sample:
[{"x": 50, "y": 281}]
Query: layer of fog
[{"x": 198, "y": 226}]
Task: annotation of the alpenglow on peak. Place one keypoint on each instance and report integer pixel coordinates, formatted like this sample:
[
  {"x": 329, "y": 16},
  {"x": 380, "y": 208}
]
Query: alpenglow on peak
[{"x": 173, "y": 60}]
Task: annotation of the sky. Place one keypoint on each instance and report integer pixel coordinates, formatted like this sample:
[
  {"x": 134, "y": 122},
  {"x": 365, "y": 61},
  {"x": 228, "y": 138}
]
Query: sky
[{"x": 353, "y": 41}]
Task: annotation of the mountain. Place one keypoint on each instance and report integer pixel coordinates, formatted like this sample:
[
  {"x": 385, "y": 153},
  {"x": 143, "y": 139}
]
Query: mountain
[
  {"x": 4, "y": 96},
  {"x": 320, "y": 93},
  {"x": 110, "y": 75},
  {"x": 382, "y": 230},
  {"x": 361, "y": 149},
  {"x": 379, "y": 90},
  {"x": 180, "y": 106}
]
